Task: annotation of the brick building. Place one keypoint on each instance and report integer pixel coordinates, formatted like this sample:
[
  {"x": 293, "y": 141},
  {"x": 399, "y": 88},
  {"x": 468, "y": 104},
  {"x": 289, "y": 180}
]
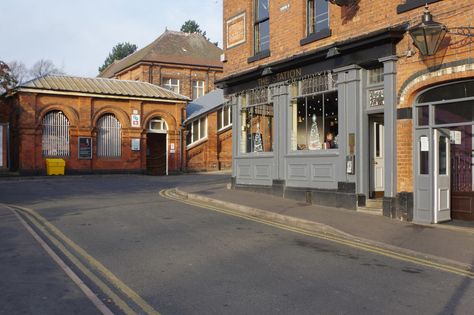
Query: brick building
[
  {"x": 97, "y": 125},
  {"x": 335, "y": 104},
  {"x": 209, "y": 133},
  {"x": 186, "y": 63}
]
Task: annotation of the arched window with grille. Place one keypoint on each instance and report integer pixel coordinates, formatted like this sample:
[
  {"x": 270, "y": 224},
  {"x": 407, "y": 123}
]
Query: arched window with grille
[
  {"x": 109, "y": 136},
  {"x": 55, "y": 139}
]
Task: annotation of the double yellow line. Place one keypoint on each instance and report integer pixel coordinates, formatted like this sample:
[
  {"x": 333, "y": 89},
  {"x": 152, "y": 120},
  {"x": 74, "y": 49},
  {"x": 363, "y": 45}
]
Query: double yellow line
[
  {"x": 170, "y": 194},
  {"x": 66, "y": 246}
]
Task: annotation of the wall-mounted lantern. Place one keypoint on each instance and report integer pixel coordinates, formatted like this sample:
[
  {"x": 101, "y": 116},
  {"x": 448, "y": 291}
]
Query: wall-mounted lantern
[
  {"x": 342, "y": 2},
  {"x": 428, "y": 35}
]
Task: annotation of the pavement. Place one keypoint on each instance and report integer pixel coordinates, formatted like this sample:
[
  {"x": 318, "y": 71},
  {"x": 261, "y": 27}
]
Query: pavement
[{"x": 451, "y": 243}]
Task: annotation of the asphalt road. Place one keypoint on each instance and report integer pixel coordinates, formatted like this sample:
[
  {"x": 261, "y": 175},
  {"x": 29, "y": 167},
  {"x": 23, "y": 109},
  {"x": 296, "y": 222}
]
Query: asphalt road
[{"x": 182, "y": 259}]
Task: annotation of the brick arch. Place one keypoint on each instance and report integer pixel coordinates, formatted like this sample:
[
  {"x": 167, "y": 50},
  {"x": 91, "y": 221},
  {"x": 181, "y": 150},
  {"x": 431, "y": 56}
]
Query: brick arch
[
  {"x": 71, "y": 114},
  {"x": 166, "y": 116},
  {"x": 423, "y": 80},
  {"x": 121, "y": 116}
]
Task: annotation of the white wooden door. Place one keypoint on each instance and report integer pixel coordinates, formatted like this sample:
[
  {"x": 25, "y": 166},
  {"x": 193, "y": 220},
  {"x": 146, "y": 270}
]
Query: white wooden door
[
  {"x": 378, "y": 156},
  {"x": 442, "y": 175}
]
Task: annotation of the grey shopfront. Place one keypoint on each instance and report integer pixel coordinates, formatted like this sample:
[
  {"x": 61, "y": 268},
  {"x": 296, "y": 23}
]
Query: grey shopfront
[{"x": 313, "y": 127}]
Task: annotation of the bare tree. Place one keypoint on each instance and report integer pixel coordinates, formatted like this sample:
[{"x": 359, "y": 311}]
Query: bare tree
[
  {"x": 19, "y": 71},
  {"x": 44, "y": 67}
]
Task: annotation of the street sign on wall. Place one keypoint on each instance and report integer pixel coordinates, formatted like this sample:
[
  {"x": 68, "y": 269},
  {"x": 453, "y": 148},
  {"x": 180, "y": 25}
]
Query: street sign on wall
[{"x": 135, "y": 121}]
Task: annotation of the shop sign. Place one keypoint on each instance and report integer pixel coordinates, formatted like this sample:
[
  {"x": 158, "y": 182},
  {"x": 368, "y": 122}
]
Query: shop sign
[
  {"x": 279, "y": 77},
  {"x": 455, "y": 136},
  {"x": 135, "y": 144},
  {"x": 236, "y": 30},
  {"x": 85, "y": 148},
  {"x": 135, "y": 121},
  {"x": 172, "y": 149}
]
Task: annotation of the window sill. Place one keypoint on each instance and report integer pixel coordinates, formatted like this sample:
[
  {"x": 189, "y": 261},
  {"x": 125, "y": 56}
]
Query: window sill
[
  {"x": 413, "y": 4},
  {"x": 315, "y": 36},
  {"x": 196, "y": 143},
  {"x": 261, "y": 55},
  {"x": 314, "y": 153},
  {"x": 228, "y": 127}
]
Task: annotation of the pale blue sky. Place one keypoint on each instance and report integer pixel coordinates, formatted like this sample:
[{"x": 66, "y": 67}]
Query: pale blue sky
[{"x": 78, "y": 35}]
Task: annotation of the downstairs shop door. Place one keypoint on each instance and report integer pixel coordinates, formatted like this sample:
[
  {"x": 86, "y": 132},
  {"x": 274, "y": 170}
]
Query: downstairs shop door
[{"x": 156, "y": 159}]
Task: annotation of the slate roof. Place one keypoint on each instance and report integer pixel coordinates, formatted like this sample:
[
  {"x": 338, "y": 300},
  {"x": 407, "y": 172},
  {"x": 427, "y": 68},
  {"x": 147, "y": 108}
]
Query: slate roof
[
  {"x": 171, "y": 47},
  {"x": 205, "y": 104},
  {"x": 101, "y": 86}
]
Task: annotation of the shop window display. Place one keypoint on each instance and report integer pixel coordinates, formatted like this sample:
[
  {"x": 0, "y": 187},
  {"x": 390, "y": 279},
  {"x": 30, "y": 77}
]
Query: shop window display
[
  {"x": 257, "y": 128},
  {"x": 315, "y": 122}
]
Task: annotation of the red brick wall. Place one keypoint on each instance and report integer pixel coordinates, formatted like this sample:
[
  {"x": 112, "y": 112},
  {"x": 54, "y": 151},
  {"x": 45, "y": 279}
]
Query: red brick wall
[
  {"x": 215, "y": 153},
  {"x": 83, "y": 113},
  {"x": 287, "y": 28},
  {"x": 186, "y": 74}
]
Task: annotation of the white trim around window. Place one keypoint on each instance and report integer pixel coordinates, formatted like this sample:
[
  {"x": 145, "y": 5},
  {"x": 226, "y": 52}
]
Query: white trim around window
[
  {"x": 197, "y": 131},
  {"x": 198, "y": 88},
  {"x": 224, "y": 118},
  {"x": 171, "y": 84}
]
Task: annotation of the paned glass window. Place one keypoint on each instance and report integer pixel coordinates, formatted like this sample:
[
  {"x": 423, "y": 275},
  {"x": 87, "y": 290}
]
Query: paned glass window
[
  {"x": 196, "y": 130},
  {"x": 171, "y": 84},
  {"x": 315, "y": 122},
  {"x": 261, "y": 26},
  {"x": 375, "y": 76},
  {"x": 109, "y": 136},
  {"x": 224, "y": 117},
  {"x": 198, "y": 89},
  {"x": 158, "y": 124},
  {"x": 55, "y": 138},
  {"x": 257, "y": 128},
  {"x": 318, "y": 16}
]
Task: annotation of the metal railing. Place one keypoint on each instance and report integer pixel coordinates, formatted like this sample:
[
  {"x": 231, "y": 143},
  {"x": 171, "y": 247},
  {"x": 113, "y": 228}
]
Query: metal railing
[{"x": 55, "y": 140}]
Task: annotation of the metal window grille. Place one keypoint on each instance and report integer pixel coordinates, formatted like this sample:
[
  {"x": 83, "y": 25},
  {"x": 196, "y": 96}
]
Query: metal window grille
[
  {"x": 318, "y": 83},
  {"x": 258, "y": 96},
  {"x": 109, "y": 137},
  {"x": 55, "y": 140}
]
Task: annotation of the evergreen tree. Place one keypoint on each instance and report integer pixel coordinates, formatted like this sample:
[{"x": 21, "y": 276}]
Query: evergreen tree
[{"x": 120, "y": 51}]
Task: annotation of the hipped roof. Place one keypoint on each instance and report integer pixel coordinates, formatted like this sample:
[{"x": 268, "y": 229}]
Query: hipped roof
[{"x": 171, "y": 47}]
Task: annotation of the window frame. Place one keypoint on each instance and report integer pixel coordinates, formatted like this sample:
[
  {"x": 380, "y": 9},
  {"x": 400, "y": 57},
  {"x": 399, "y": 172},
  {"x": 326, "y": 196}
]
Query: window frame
[
  {"x": 169, "y": 85},
  {"x": 413, "y": 4},
  {"x": 195, "y": 85},
  {"x": 220, "y": 118},
  {"x": 314, "y": 35},
  {"x": 99, "y": 142},
  {"x": 258, "y": 52},
  {"x": 200, "y": 138},
  {"x": 55, "y": 142}
]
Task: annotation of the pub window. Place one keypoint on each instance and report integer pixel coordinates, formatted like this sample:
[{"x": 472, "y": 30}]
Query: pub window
[
  {"x": 224, "y": 117},
  {"x": 196, "y": 131},
  {"x": 55, "y": 138},
  {"x": 315, "y": 122},
  {"x": 256, "y": 119},
  {"x": 109, "y": 136},
  {"x": 171, "y": 84},
  {"x": 261, "y": 26},
  {"x": 317, "y": 16},
  {"x": 198, "y": 89}
]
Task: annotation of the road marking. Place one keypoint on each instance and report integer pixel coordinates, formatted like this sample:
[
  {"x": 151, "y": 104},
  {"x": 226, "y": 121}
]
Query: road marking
[
  {"x": 84, "y": 288},
  {"x": 41, "y": 223},
  {"x": 168, "y": 193}
]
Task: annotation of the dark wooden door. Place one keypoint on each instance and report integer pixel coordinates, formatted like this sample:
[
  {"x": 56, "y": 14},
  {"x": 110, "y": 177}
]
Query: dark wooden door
[
  {"x": 462, "y": 196},
  {"x": 156, "y": 154}
]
